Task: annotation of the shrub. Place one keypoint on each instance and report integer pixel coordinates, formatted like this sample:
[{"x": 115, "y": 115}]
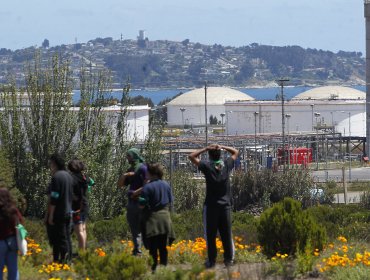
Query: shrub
[
  {"x": 287, "y": 229},
  {"x": 265, "y": 187},
  {"x": 188, "y": 224},
  {"x": 349, "y": 220},
  {"x": 110, "y": 266},
  {"x": 109, "y": 230},
  {"x": 188, "y": 192},
  {"x": 244, "y": 225}
]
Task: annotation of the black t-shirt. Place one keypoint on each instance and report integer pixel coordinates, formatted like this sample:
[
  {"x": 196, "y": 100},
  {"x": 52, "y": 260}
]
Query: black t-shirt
[
  {"x": 80, "y": 187},
  {"x": 61, "y": 195},
  {"x": 217, "y": 183}
]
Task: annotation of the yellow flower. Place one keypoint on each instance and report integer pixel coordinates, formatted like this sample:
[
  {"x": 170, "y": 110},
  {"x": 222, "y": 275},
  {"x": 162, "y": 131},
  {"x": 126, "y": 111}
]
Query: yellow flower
[{"x": 235, "y": 274}]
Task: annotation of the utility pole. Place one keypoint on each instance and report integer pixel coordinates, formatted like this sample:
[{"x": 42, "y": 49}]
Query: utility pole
[
  {"x": 367, "y": 17},
  {"x": 205, "y": 111},
  {"x": 281, "y": 82},
  {"x": 255, "y": 140}
]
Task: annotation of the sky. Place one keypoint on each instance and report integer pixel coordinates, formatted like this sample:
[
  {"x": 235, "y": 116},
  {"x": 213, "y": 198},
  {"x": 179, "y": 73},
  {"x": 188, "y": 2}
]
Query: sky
[{"x": 322, "y": 24}]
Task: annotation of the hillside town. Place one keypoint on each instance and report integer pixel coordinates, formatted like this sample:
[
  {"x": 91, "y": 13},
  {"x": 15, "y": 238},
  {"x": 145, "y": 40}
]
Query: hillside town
[{"x": 170, "y": 64}]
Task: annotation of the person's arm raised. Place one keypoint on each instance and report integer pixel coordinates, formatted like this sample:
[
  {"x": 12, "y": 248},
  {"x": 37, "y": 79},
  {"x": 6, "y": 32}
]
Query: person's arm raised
[
  {"x": 234, "y": 152},
  {"x": 194, "y": 156}
]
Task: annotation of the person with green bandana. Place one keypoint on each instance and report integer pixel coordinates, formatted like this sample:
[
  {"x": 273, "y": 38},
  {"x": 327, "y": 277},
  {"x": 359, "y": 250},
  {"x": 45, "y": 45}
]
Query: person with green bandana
[
  {"x": 135, "y": 177},
  {"x": 217, "y": 205}
]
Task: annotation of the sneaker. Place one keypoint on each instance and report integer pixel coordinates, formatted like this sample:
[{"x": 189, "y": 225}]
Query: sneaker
[
  {"x": 136, "y": 252},
  {"x": 209, "y": 264},
  {"x": 229, "y": 263}
]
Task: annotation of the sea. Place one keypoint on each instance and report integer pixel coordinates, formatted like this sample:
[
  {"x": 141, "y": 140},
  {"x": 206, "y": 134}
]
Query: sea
[{"x": 268, "y": 93}]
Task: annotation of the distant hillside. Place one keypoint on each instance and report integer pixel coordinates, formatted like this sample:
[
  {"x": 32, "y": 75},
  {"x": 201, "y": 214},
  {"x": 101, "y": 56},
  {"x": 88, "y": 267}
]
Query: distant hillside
[{"x": 187, "y": 64}]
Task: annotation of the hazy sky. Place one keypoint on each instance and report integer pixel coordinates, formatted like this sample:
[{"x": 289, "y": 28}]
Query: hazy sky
[{"x": 323, "y": 24}]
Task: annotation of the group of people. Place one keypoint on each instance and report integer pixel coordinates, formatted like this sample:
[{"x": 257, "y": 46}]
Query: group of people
[
  {"x": 67, "y": 205},
  {"x": 148, "y": 209},
  {"x": 150, "y": 200}
]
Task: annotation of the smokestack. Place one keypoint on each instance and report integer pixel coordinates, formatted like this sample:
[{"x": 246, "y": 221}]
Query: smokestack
[{"x": 367, "y": 17}]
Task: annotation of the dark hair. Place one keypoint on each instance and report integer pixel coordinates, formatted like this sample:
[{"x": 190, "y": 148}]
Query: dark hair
[
  {"x": 76, "y": 166},
  {"x": 155, "y": 169},
  {"x": 58, "y": 160},
  {"x": 214, "y": 154},
  {"x": 8, "y": 209}
]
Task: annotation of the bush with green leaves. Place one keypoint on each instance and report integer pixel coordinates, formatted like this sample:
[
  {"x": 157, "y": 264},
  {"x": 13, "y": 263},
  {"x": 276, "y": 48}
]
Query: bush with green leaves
[
  {"x": 109, "y": 230},
  {"x": 111, "y": 266},
  {"x": 188, "y": 192},
  {"x": 287, "y": 229},
  {"x": 266, "y": 187},
  {"x": 348, "y": 220}
]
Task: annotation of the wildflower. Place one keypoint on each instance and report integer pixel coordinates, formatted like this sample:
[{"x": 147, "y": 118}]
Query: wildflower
[
  {"x": 100, "y": 252},
  {"x": 235, "y": 274},
  {"x": 342, "y": 239}
]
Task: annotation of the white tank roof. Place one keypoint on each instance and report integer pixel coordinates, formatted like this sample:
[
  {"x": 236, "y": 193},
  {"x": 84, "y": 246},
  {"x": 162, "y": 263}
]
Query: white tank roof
[
  {"x": 331, "y": 92},
  {"x": 215, "y": 96}
]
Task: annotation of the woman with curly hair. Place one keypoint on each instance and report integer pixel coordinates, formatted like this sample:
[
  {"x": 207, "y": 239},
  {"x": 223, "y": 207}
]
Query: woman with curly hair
[{"x": 9, "y": 218}]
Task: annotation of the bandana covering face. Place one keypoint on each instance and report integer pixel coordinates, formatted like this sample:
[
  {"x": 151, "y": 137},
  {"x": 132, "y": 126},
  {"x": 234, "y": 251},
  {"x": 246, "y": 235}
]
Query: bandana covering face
[
  {"x": 218, "y": 164},
  {"x": 137, "y": 158}
]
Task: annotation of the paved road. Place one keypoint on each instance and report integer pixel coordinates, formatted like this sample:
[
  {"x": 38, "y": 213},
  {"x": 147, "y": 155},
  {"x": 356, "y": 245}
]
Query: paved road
[{"x": 357, "y": 174}]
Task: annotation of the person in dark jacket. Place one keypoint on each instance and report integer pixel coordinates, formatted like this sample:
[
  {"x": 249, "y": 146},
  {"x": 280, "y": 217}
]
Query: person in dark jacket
[
  {"x": 59, "y": 211},
  {"x": 9, "y": 218},
  {"x": 217, "y": 205},
  {"x": 80, "y": 206},
  {"x": 135, "y": 177},
  {"x": 156, "y": 199}
]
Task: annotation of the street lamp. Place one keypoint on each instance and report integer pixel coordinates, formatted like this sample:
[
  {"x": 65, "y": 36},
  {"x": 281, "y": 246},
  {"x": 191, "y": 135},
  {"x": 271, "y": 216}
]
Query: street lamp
[
  {"x": 317, "y": 141},
  {"x": 350, "y": 148},
  {"x": 227, "y": 123},
  {"x": 312, "y": 106},
  {"x": 255, "y": 140},
  {"x": 287, "y": 116},
  {"x": 281, "y": 84},
  {"x": 182, "y": 117},
  {"x": 222, "y": 123}
]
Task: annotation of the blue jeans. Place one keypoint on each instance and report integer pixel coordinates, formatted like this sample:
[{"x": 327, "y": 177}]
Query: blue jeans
[{"x": 8, "y": 257}]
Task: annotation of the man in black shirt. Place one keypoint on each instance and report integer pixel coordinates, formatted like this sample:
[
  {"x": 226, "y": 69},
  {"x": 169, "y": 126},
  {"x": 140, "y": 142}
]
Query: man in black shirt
[
  {"x": 59, "y": 209},
  {"x": 217, "y": 205}
]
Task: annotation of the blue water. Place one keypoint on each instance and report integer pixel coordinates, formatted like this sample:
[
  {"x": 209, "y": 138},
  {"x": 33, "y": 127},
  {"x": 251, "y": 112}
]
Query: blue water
[{"x": 258, "y": 93}]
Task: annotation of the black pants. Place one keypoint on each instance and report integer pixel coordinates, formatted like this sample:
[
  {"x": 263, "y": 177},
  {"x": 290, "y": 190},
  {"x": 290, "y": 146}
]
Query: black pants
[
  {"x": 158, "y": 243},
  {"x": 60, "y": 240},
  {"x": 218, "y": 218}
]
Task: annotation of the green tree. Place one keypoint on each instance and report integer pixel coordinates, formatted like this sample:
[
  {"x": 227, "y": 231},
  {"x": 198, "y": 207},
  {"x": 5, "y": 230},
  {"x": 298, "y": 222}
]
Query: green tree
[{"x": 49, "y": 123}]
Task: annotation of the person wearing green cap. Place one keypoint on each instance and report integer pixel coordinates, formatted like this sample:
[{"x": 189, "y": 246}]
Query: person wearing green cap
[
  {"x": 217, "y": 205},
  {"x": 135, "y": 177}
]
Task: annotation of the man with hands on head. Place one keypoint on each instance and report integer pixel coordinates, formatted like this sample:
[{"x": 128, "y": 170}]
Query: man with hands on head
[{"x": 217, "y": 204}]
